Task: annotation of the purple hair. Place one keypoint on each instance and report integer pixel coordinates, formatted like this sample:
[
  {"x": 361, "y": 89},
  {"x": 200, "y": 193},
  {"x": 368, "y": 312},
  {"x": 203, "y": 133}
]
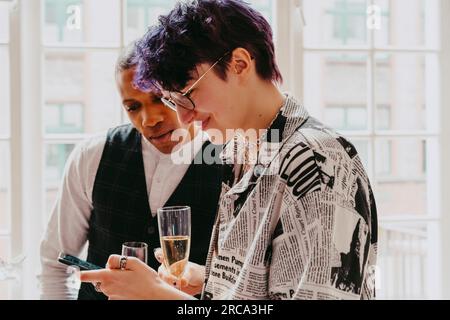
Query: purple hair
[{"x": 202, "y": 31}]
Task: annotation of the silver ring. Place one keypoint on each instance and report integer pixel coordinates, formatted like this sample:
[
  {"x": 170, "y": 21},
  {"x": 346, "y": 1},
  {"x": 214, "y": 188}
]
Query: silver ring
[
  {"x": 123, "y": 262},
  {"x": 97, "y": 286}
]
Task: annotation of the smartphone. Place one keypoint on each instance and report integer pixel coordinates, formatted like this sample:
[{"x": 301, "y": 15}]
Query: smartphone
[{"x": 69, "y": 260}]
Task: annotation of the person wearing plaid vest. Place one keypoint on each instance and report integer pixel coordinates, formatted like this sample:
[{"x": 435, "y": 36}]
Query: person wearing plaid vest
[{"x": 114, "y": 183}]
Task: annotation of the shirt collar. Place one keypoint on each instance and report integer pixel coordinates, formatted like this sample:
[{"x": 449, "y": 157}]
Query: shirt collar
[{"x": 291, "y": 116}]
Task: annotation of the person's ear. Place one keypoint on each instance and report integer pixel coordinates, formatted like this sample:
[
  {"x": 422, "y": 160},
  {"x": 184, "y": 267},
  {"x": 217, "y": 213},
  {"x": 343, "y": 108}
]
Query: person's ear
[
  {"x": 241, "y": 62},
  {"x": 240, "y": 66}
]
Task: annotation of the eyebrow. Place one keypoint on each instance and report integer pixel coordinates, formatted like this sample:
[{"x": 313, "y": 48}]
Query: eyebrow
[
  {"x": 128, "y": 100},
  {"x": 189, "y": 85},
  {"x": 194, "y": 76}
]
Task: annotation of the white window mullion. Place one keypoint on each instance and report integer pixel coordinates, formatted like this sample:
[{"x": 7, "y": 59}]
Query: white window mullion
[
  {"x": 58, "y": 141},
  {"x": 351, "y": 49},
  {"x": 123, "y": 28},
  {"x": 16, "y": 126},
  {"x": 80, "y": 48},
  {"x": 445, "y": 147},
  {"x": 296, "y": 64},
  {"x": 32, "y": 142},
  {"x": 123, "y": 22},
  {"x": 363, "y": 49},
  {"x": 437, "y": 259},
  {"x": 283, "y": 45},
  {"x": 55, "y": 137},
  {"x": 371, "y": 104}
]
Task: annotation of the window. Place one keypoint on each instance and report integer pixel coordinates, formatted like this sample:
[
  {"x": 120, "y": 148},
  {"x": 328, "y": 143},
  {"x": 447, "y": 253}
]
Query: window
[
  {"x": 342, "y": 22},
  {"x": 81, "y": 22},
  {"x": 378, "y": 86},
  {"x": 346, "y": 117},
  {"x": 383, "y": 117},
  {"x": 80, "y": 98},
  {"x": 64, "y": 118},
  {"x": 142, "y": 13},
  {"x": 266, "y": 7},
  {"x": 333, "y": 92},
  {"x": 347, "y": 16}
]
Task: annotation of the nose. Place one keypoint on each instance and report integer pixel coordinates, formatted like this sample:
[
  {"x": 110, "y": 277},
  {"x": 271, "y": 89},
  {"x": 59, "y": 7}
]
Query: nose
[
  {"x": 151, "y": 117},
  {"x": 185, "y": 116}
]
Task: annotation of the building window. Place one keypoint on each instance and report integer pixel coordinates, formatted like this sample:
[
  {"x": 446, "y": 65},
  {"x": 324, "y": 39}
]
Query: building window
[
  {"x": 347, "y": 16},
  {"x": 346, "y": 117},
  {"x": 64, "y": 118}
]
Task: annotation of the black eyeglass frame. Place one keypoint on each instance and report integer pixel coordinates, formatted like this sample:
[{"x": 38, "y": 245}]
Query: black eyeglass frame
[{"x": 181, "y": 97}]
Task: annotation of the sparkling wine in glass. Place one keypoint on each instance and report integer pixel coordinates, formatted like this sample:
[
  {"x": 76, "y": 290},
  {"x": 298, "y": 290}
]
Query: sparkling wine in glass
[{"x": 175, "y": 234}]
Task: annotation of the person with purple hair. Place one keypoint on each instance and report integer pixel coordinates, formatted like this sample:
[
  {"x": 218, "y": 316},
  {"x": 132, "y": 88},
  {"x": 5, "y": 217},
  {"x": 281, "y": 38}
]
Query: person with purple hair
[{"x": 296, "y": 217}]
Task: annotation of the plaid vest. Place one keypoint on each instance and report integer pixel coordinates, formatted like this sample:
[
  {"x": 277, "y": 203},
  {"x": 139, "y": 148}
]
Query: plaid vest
[{"x": 121, "y": 210}]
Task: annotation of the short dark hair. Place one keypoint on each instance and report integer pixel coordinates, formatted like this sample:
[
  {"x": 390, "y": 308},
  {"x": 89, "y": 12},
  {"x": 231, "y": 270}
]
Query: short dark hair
[
  {"x": 202, "y": 31},
  {"x": 127, "y": 58}
]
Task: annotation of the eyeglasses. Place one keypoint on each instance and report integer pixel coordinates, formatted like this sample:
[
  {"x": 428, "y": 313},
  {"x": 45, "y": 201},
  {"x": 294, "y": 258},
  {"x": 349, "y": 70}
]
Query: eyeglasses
[{"x": 179, "y": 99}]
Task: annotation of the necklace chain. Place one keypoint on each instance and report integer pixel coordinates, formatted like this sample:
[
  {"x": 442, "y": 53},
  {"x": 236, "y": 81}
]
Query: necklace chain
[{"x": 242, "y": 143}]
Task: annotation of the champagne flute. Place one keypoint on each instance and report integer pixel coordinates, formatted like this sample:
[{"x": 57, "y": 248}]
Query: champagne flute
[
  {"x": 135, "y": 249},
  {"x": 174, "y": 225}
]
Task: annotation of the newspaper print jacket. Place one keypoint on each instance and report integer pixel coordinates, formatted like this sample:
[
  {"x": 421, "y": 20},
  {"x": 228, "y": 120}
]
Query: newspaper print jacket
[{"x": 304, "y": 228}]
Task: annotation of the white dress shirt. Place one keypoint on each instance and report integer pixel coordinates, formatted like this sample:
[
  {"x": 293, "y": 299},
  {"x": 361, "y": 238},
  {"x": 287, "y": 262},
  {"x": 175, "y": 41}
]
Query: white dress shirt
[{"x": 68, "y": 227}]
